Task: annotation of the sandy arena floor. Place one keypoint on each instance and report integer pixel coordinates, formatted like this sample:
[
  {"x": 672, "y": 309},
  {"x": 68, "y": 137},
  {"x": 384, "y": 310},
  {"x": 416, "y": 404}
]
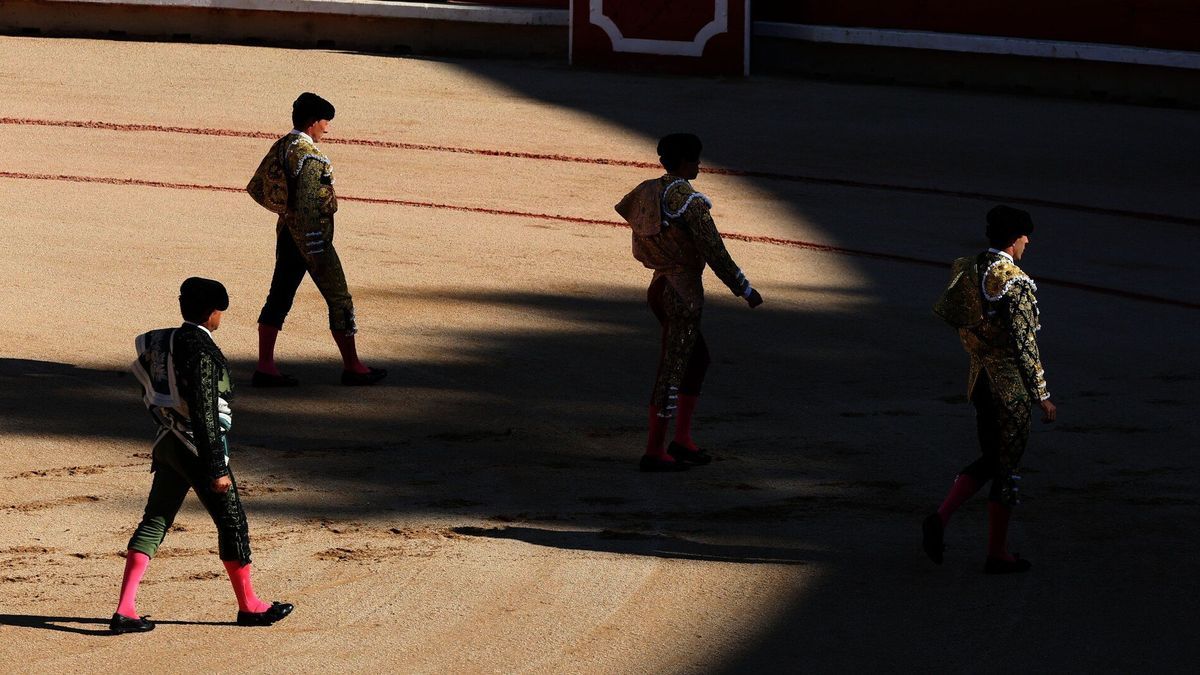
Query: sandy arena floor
[{"x": 481, "y": 511}]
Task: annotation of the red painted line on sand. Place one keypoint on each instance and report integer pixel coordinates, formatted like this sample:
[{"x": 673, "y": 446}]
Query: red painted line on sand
[
  {"x": 752, "y": 238},
  {"x": 744, "y": 173}
]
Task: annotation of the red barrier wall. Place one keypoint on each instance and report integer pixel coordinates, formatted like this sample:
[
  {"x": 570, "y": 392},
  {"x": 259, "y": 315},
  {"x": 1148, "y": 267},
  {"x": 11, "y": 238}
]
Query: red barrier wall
[
  {"x": 681, "y": 36},
  {"x": 1162, "y": 24}
]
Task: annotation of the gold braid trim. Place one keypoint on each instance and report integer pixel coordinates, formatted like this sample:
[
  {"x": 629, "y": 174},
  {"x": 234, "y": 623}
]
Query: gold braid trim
[{"x": 999, "y": 277}]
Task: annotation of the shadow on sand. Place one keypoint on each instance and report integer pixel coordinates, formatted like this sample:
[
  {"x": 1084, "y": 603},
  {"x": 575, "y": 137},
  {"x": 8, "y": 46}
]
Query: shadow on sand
[
  {"x": 539, "y": 432},
  {"x": 69, "y": 624},
  {"x": 635, "y": 543}
]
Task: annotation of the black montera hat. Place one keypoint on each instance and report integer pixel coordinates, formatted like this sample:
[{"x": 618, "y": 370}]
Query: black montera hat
[
  {"x": 309, "y": 106},
  {"x": 1005, "y": 224},
  {"x": 675, "y": 147},
  {"x": 203, "y": 295}
]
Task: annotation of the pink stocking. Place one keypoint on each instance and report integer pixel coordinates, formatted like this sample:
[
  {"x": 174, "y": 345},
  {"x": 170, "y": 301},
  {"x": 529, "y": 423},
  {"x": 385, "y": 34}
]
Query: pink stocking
[
  {"x": 136, "y": 563},
  {"x": 239, "y": 576}
]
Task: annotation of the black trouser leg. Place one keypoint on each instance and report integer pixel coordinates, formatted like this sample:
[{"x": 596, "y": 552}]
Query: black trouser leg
[
  {"x": 697, "y": 368},
  {"x": 1003, "y": 431},
  {"x": 330, "y": 279},
  {"x": 289, "y": 272}
]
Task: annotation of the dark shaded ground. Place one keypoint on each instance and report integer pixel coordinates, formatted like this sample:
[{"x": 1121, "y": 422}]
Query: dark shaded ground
[{"x": 831, "y": 449}]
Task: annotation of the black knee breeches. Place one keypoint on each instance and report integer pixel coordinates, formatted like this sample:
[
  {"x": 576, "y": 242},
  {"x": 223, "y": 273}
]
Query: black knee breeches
[
  {"x": 1003, "y": 429},
  {"x": 326, "y": 272}
]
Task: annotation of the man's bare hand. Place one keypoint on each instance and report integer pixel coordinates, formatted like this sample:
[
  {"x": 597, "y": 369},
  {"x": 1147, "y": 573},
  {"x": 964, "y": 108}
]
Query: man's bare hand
[
  {"x": 222, "y": 485},
  {"x": 754, "y": 299},
  {"x": 1049, "y": 412}
]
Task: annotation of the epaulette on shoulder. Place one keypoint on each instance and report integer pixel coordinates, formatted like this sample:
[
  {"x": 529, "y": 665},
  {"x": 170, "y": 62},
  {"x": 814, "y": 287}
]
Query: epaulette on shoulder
[
  {"x": 1000, "y": 277},
  {"x": 301, "y": 150},
  {"x": 679, "y": 195}
]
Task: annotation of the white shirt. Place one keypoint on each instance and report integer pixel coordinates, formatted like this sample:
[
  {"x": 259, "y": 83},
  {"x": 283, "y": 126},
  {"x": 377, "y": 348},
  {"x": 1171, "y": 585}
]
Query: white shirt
[{"x": 200, "y": 327}]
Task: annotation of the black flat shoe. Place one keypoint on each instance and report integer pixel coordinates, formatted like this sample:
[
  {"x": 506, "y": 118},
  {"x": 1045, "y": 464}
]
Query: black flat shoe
[
  {"x": 353, "y": 379},
  {"x": 277, "y": 612},
  {"x": 933, "y": 538},
  {"x": 650, "y": 463},
  {"x": 121, "y": 624},
  {"x": 267, "y": 381},
  {"x": 682, "y": 453},
  {"x": 1002, "y": 566}
]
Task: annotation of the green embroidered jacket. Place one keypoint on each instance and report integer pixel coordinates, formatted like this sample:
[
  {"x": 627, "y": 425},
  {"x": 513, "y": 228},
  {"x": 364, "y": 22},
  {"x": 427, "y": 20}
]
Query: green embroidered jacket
[{"x": 202, "y": 378}]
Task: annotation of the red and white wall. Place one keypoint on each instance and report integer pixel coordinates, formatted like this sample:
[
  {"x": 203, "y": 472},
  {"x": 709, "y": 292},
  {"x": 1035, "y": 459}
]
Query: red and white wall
[
  {"x": 686, "y": 36},
  {"x": 714, "y": 36},
  {"x": 683, "y": 36}
]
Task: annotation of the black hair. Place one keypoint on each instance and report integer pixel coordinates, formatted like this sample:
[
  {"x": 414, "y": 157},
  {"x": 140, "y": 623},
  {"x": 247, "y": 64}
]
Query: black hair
[
  {"x": 1006, "y": 225},
  {"x": 309, "y": 108},
  {"x": 198, "y": 298},
  {"x": 674, "y": 149}
]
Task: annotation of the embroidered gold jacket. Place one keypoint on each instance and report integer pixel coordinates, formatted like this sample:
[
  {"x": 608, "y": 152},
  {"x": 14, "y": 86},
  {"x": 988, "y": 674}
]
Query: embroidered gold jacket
[
  {"x": 674, "y": 235},
  {"x": 311, "y": 197},
  {"x": 1005, "y": 344}
]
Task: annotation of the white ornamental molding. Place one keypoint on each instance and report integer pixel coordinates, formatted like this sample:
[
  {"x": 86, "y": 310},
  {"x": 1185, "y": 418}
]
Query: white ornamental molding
[{"x": 695, "y": 47}]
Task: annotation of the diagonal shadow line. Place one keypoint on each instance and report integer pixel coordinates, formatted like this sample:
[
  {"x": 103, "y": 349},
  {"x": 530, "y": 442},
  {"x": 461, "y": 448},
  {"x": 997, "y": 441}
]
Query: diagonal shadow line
[
  {"x": 654, "y": 545},
  {"x": 52, "y": 623},
  {"x": 605, "y": 161}
]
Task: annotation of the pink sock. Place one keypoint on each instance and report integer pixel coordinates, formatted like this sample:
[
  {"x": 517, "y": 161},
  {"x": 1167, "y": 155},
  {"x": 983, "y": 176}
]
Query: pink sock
[
  {"x": 683, "y": 420},
  {"x": 345, "y": 345},
  {"x": 657, "y": 436},
  {"x": 266, "y": 349},
  {"x": 963, "y": 489},
  {"x": 136, "y": 563},
  {"x": 998, "y": 515},
  {"x": 239, "y": 576}
]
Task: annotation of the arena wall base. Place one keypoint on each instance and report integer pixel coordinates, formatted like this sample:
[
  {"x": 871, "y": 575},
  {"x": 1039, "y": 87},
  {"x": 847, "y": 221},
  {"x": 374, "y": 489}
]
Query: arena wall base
[
  {"x": 1089, "y": 80},
  {"x": 505, "y": 32},
  {"x": 544, "y": 36}
]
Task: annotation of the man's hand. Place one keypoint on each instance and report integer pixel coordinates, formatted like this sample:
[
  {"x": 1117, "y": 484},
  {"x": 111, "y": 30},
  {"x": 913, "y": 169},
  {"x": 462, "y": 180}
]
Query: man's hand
[
  {"x": 754, "y": 299},
  {"x": 222, "y": 485},
  {"x": 1049, "y": 412}
]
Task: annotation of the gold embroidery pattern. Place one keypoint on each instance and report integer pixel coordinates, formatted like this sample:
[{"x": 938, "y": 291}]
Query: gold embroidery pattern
[
  {"x": 683, "y": 327},
  {"x": 269, "y": 184},
  {"x": 680, "y": 197},
  {"x": 1005, "y": 343},
  {"x": 310, "y": 222}
]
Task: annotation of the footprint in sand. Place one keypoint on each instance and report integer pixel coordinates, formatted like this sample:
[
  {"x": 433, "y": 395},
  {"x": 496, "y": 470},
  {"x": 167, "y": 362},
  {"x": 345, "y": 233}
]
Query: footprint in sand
[
  {"x": 417, "y": 542},
  {"x": 65, "y": 471},
  {"x": 51, "y": 503}
]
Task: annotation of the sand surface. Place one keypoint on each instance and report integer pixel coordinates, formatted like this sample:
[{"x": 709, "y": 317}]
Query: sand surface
[{"x": 481, "y": 511}]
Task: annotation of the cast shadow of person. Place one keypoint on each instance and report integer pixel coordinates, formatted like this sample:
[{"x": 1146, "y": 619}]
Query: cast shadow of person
[
  {"x": 511, "y": 423},
  {"x": 72, "y": 624},
  {"x": 642, "y": 544}
]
